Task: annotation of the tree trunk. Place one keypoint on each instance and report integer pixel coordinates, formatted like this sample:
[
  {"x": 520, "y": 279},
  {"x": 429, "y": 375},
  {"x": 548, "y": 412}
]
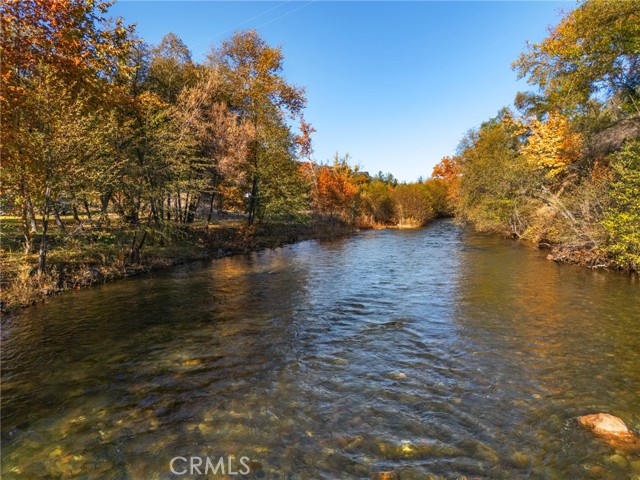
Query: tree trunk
[
  {"x": 26, "y": 231},
  {"x": 154, "y": 211},
  {"x": 104, "y": 205},
  {"x": 74, "y": 210},
  {"x": 56, "y": 216},
  {"x": 28, "y": 221},
  {"x": 214, "y": 187},
  {"x": 253, "y": 200},
  {"x": 32, "y": 215},
  {"x": 87, "y": 208},
  {"x": 160, "y": 205},
  {"x": 193, "y": 209},
  {"x": 211, "y": 200},
  {"x": 42, "y": 258},
  {"x": 185, "y": 217}
]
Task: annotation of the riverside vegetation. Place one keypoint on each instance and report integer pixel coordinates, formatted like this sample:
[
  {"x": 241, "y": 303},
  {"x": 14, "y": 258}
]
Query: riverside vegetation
[
  {"x": 563, "y": 168},
  {"x": 120, "y": 156}
]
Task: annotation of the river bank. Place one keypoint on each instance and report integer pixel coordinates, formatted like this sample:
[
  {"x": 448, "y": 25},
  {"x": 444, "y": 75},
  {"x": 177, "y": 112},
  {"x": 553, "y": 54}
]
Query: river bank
[
  {"x": 99, "y": 256},
  {"x": 584, "y": 254},
  {"x": 107, "y": 257}
]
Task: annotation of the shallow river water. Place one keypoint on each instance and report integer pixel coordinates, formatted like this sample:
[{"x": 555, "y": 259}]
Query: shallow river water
[{"x": 428, "y": 353}]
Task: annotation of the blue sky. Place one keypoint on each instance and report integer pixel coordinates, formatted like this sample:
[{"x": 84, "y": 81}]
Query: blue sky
[{"x": 394, "y": 84}]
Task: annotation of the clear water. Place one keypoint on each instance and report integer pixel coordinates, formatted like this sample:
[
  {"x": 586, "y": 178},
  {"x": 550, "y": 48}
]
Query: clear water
[{"x": 429, "y": 352}]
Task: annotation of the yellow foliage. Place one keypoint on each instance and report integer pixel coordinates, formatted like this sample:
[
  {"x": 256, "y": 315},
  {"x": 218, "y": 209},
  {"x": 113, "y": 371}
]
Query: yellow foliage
[{"x": 552, "y": 144}]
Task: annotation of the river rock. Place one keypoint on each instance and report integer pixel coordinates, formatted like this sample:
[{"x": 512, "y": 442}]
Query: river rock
[
  {"x": 520, "y": 459},
  {"x": 412, "y": 473},
  {"x": 618, "y": 460},
  {"x": 612, "y": 429},
  {"x": 604, "y": 424},
  {"x": 386, "y": 476}
]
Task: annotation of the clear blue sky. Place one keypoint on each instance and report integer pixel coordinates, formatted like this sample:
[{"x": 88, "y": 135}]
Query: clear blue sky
[{"x": 394, "y": 84}]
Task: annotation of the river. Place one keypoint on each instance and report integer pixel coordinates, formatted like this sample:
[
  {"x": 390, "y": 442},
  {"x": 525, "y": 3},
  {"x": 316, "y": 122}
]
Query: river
[{"x": 434, "y": 351}]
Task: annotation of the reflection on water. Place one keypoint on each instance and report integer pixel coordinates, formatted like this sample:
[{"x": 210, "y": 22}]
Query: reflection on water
[{"x": 429, "y": 352}]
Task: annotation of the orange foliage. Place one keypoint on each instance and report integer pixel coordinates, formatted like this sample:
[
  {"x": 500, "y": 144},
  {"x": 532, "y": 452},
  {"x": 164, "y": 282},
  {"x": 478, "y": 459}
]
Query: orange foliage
[
  {"x": 448, "y": 170},
  {"x": 65, "y": 36},
  {"x": 304, "y": 139},
  {"x": 336, "y": 190}
]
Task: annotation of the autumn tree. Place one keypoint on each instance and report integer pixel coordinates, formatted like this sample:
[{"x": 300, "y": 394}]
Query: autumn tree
[
  {"x": 260, "y": 95},
  {"x": 337, "y": 190},
  {"x": 378, "y": 203},
  {"x": 222, "y": 138},
  {"x": 171, "y": 68},
  {"x": 552, "y": 145},
  {"x": 413, "y": 204},
  {"x": 495, "y": 180},
  {"x": 592, "y": 54},
  {"x": 446, "y": 174},
  {"x": 439, "y": 195},
  {"x": 59, "y": 60}
]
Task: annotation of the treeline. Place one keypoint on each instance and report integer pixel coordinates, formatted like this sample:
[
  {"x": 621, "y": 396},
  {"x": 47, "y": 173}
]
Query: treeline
[
  {"x": 100, "y": 126},
  {"x": 344, "y": 193},
  {"x": 563, "y": 167}
]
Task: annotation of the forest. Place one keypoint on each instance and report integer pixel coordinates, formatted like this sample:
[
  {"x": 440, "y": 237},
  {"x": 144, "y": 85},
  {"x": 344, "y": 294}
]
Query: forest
[{"x": 119, "y": 156}]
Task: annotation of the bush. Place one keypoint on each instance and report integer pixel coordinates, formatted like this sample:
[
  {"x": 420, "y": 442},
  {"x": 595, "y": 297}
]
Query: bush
[{"x": 622, "y": 220}]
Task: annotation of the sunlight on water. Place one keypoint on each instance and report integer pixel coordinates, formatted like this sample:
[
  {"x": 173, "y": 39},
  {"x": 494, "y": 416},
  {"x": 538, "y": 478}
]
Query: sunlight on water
[{"x": 432, "y": 353}]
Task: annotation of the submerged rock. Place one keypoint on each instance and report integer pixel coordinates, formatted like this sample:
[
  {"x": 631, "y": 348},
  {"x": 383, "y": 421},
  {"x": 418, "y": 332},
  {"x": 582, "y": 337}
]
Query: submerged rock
[
  {"x": 612, "y": 429},
  {"x": 413, "y": 473},
  {"x": 618, "y": 460},
  {"x": 520, "y": 460},
  {"x": 386, "y": 476}
]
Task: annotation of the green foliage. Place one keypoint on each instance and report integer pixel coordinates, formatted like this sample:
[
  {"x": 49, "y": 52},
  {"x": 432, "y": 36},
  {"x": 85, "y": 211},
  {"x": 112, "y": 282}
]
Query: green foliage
[
  {"x": 413, "y": 204},
  {"x": 262, "y": 98},
  {"x": 592, "y": 54},
  {"x": 170, "y": 68},
  {"x": 495, "y": 178},
  {"x": 377, "y": 201},
  {"x": 543, "y": 176},
  {"x": 622, "y": 220},
  {"x": 283, "y": 192},
  {"x": 439, "y": 194}
]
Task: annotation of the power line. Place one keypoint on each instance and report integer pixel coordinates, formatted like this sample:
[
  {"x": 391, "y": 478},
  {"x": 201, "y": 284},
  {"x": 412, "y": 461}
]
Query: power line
[{"x": 208, "y": 39}]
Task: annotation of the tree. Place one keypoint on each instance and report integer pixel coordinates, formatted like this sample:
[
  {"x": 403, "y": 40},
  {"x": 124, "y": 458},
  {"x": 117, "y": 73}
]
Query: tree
[
  {"x": 594, "y": 53},
  {"x": 221, "y": 137},
  {"x": 440, "y": 196},
  {"x": 495, "y": 180},
  {"x": 413, "y": 204},
  {"x": 378, "y": 204},
  {"x": 59, "y": 63},
  {"x": 171, "y": 68},
  {"x": 337, "y": 190},
  {"x": 447, "y": 174},
  {"x": 260, "y": 95},
  {"x": 552, "y": 145}
]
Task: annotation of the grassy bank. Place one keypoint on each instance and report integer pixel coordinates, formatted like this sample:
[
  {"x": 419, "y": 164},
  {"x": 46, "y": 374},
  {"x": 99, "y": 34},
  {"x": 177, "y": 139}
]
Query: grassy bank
[{"x": 81, "y": 255}]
